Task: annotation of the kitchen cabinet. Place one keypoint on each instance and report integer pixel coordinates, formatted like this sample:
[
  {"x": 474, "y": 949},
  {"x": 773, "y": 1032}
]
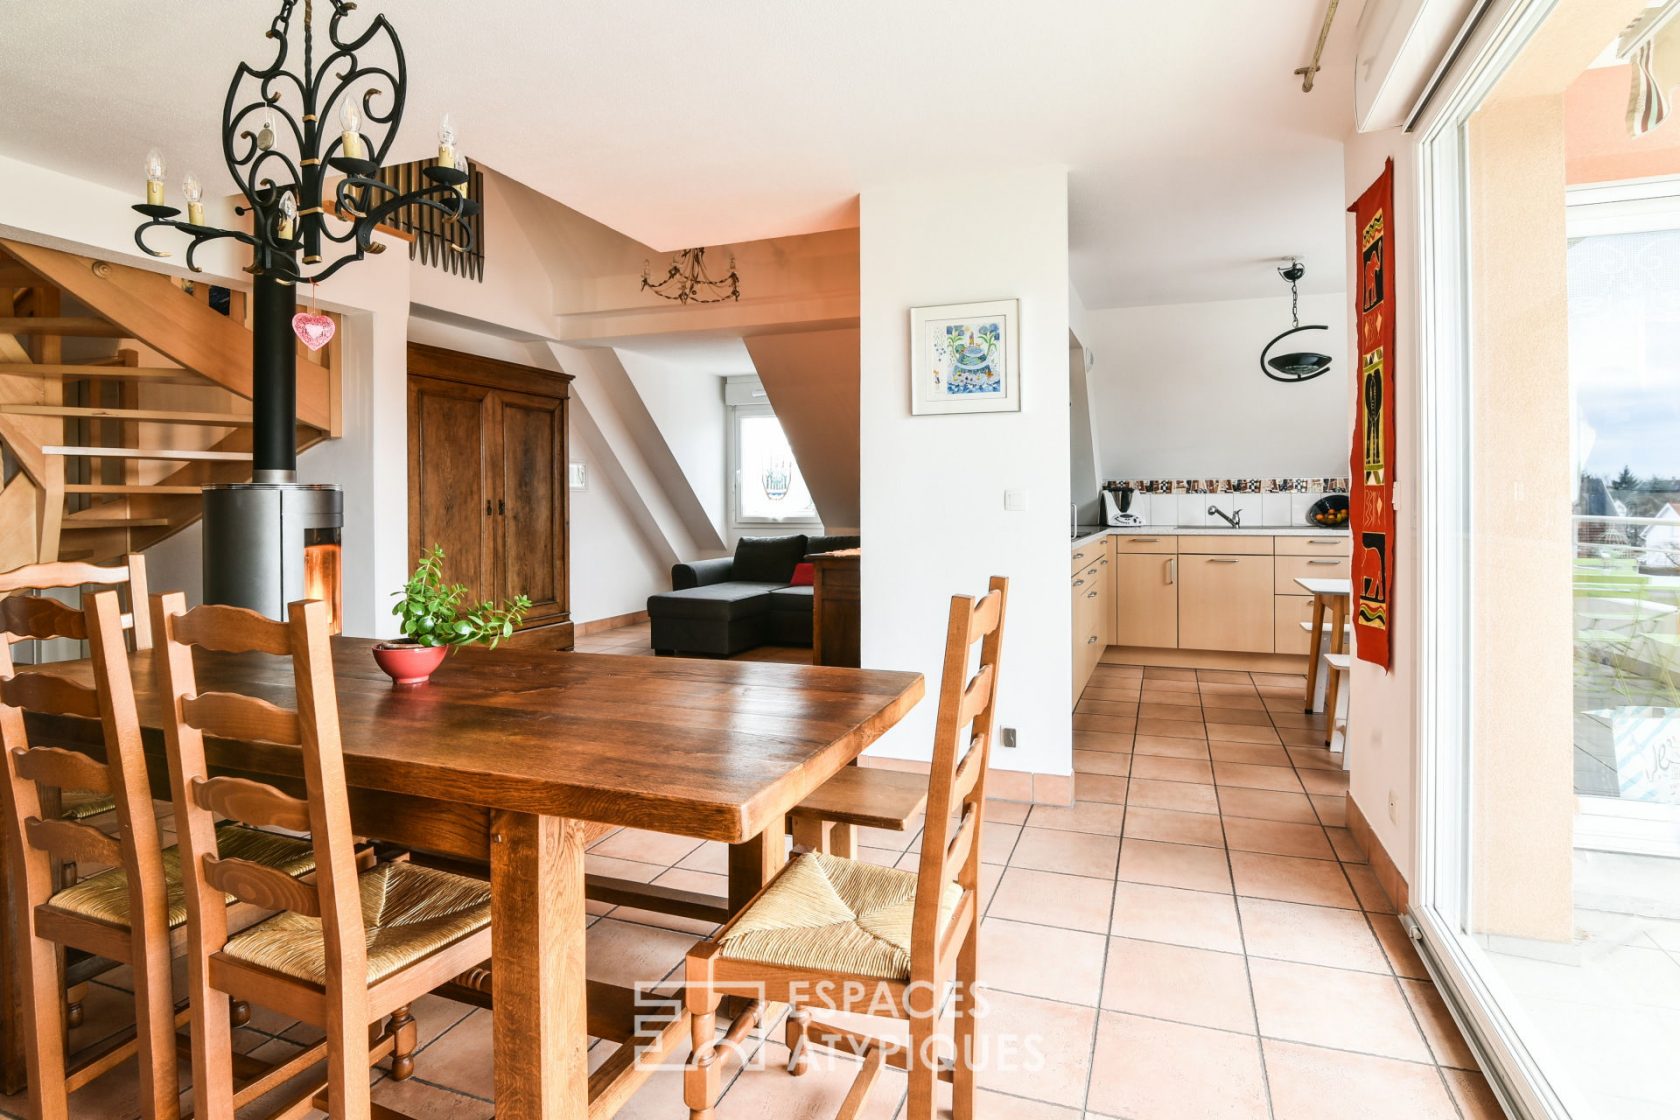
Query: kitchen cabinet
[
  {"x": 1090, "y": 591},
  {"x": 1146, "y": 598},
  {"x": 1288, "y": 612},
  {"x": 1225, "y": 602}
]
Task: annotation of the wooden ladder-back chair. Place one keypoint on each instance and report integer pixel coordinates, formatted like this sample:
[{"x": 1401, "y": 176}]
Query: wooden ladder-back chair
[
  {"x": 848, "y": 936},
  {"x": 350, "y": 949},
  {"x": 79, "y": 804}
]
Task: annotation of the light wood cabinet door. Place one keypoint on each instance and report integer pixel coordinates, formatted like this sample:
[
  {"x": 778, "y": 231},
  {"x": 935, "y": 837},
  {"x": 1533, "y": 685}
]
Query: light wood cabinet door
[
  {"x": 1146, "y": 600},
  {"x": 1225, "y": 603},
  {"x": 1289, "y": 612}
]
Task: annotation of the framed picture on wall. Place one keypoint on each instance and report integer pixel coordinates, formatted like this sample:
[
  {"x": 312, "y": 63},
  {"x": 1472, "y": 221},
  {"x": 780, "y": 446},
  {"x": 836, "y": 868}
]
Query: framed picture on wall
[{"x": 965, "y": 357}]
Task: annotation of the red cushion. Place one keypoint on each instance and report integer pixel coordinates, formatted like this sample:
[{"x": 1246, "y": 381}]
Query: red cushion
[{"x": 804, "y": 575}]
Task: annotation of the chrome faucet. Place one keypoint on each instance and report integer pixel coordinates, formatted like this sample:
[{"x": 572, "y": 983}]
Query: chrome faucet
[{"x": 1234, "y": 520}]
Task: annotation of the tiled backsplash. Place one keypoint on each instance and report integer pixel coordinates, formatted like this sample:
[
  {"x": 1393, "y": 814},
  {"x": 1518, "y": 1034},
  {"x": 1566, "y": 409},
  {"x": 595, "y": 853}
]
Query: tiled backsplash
[{"x": 1260, "y": 501}]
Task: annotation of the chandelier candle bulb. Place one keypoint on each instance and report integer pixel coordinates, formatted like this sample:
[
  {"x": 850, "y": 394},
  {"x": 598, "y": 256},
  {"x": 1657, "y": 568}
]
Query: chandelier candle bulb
[
  {"x": 288, "y": 217},
  {"x": 446, "y": 142},
  {"x": 464, "y": 168},
  {"x": 193, "y": 191},
  {"x": 350, "y": 118},
  {"x": 154, "y": 178}
]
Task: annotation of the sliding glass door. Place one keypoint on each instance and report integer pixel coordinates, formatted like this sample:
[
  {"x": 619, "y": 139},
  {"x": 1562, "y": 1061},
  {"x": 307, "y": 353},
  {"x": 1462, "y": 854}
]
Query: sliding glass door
[{"x": 1549, "y": 853}]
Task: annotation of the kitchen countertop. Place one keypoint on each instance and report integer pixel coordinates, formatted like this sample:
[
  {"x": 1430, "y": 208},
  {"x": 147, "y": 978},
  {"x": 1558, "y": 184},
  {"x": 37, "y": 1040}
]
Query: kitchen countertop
[{"x": 1089, "y": 533}]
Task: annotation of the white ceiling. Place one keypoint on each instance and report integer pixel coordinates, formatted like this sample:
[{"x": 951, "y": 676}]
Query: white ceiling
[{"x": 1193, "y": 156}]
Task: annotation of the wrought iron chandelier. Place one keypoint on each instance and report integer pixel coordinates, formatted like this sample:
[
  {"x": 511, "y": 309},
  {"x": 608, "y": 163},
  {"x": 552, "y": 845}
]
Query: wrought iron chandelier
[
  {"x": 687, "y": 280},
  {"x": 1296, "y": 366},
  {"x": 280, "y": 155}
]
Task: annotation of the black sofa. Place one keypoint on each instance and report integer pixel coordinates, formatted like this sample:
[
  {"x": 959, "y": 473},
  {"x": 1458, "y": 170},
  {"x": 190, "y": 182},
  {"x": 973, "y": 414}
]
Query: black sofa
[{"x": 733, "y": 603}]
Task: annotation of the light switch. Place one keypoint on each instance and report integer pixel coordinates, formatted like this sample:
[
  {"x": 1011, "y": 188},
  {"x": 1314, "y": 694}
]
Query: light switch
[{"x": 1015, "y": 501}]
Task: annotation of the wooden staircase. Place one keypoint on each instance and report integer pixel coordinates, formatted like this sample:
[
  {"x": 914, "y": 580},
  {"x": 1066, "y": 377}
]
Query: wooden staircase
[{"x": 122, "y": 394}]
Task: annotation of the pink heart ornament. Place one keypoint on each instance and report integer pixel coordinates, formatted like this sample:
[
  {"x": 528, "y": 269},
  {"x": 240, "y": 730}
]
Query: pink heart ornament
[{"x": 315, "y": 330}]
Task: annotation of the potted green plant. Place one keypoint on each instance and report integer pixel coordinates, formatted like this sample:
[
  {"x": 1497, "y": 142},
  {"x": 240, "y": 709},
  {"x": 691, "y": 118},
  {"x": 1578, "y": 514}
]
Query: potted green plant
[{"x": 434, "y": 616}]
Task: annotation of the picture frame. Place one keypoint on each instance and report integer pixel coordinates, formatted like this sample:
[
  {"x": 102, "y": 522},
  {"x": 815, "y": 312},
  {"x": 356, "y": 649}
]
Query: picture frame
[{"x": 965, "y": 358}]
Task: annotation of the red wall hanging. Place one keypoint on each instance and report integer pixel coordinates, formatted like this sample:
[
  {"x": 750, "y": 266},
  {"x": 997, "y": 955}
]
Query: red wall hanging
[{"x": 1371, "y": 510}]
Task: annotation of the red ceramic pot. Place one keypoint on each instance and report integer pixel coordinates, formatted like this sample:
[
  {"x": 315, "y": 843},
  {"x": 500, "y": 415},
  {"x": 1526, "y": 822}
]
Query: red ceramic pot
[{"x": 409, "y": 664}]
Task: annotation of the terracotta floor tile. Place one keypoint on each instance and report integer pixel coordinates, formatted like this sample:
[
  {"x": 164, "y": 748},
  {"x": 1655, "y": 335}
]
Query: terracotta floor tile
[
  {"x": 1242, "y": 733},
  {"x": 1297, "y": 681},
  {"x": 1224, "y": 676},
  {"x": 1191, "y": 711},
  {"x": 1060, "y": 1032},
  {"x": 1089, "y": 706},
  {"x": 1116, "y": 763},
  {"x": 1159, "y": 673},
  {"x": 1172, "y": 769},
  {"x": 1474, "y": 1097},
  {"x": 1174, "y": 827},
  {"x": 1249, "y": 754},
  {"x": 1291, "y": 715},
  {"x": 596, "y": 864},
  {"x": 1007, "y": 812},
  {"x": 1280, "y": 778},
  {"x": 1174, "y": 865},
  {"x": 710, "y": 856},
  {"x": 1177, "y": 916},
  {"x": 1325, "y": 781},
  {"x": 1183, "y": 796},
  {"x": 1445, "y": 1040},
  {"x": 1119, "y": 724},
  {"x": 1312, "y": 1083},
  {"x": 1034, "y": 960},
  {"x": 1348, "y": 850},
  {"x": 1082, "y": 816},
  {"x": 1047, "y": 898},
  {"x": 1358, "y": 1011},
  {"x": 628, "y": 954},
  {"x": 1068, "y": 853},
  {"x": 767, "y": 1091},
  {"x": 1245, "y": 699},
  {"x": 1177, "y": 728},
  {"x": 682, "y": 879},
  {"x": 1331, "y": 810},
  {"x": 1196, "y": 986},
  {"x": 1291, "y": 879},
  {"x": 1164, "y": 692},
  {"x": 1109, "y": 741},
  {"x": 1314, "y": 758},
  {"x": 1302, "y": 736},
  {"x": 1168, "y": 746},
  {"x": 1255, "y": 717},
  {"x": 1265, "y": 804},
  {"x": 1292, "y": 931},
  {"x": 1146, "y": 1069},
  {"x": 462, "y": 1059},
  {"x": 1088, "y": 786},
  {"x": 1110, "y": 692},
  {"x": 1397, "y": 947},
  {"x": 646, "y": 847},
  {"x": 1280, "y": 838}
]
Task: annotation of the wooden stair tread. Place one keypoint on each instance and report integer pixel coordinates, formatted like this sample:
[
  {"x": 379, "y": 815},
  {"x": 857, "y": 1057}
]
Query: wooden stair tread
[
  {"x": 168, "y": 375},
  {"x": 129, "y": 488},
  {"x": 182, "y": 455},
  {"x": 129, "y": 415},
  {"x": 868, "y": 795},
  {"x": 82, "y": 523},
  {"x": 85, "y": 326}
]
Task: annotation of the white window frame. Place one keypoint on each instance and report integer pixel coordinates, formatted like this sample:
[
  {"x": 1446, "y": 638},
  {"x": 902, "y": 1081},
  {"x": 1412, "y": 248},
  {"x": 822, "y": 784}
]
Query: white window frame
[
  {"x": 1440, "y": 900},
  {"x": 745, "y": 396}
]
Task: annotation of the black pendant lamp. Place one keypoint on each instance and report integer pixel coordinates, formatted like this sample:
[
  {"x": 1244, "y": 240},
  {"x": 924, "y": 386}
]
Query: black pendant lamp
[{"x": 1300, "y": 365}]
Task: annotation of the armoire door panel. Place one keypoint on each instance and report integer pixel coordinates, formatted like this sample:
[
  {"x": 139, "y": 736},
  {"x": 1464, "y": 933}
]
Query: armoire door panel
[
  {"x": 450, "y": 481},
  {"x": 531, "y": 476}
]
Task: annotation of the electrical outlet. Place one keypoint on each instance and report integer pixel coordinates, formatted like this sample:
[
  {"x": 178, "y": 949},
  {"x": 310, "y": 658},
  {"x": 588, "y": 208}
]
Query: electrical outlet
[
  {"x": 1009, "y": 737},
  {"x": 1393, "y": 807}
]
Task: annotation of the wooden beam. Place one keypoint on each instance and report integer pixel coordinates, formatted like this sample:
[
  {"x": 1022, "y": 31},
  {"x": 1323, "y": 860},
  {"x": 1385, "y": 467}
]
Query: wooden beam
[
  {"x": 130, "y": 415},
  {"x": 129, "y": 488},
  {"x": 81, "y": 326},
  {"x": 172, "y": 454}
]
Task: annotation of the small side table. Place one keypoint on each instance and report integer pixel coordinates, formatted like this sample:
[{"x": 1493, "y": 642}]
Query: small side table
[{"x": 1334, "y": 595}]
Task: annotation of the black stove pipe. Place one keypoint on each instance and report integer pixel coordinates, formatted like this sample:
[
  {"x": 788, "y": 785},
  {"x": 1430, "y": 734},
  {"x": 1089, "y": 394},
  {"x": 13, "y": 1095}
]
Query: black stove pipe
[{"x": 273, "y": 380}]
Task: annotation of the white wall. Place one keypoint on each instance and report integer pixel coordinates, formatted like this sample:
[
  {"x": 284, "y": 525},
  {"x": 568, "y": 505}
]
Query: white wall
[
  {"x": 1382, "y": 707},
  {"x": 687, "y": 405},
  {"x": 1177, "y": 391},
  {"x": 931, "y": 487},
  {"x": 613, "y": 566}
]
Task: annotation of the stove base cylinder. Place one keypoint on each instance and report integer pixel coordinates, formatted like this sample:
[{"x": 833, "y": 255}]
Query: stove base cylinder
[{"x": 270, "y": 544}]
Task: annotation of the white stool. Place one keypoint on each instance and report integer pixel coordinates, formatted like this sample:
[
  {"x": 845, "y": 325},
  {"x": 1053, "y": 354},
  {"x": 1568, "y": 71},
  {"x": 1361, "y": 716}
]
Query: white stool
[
  {"x": 1337, "y": 666},
  {"x": 1323, "y": 682}
]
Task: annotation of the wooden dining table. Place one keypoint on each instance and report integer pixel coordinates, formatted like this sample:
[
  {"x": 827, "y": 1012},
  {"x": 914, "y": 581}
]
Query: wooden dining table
[{"x": 513, "y": 759}]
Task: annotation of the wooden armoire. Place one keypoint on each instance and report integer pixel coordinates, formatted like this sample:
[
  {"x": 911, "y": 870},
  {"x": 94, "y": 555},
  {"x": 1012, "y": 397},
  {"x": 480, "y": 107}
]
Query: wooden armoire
[{"x": 487, "y": 481}]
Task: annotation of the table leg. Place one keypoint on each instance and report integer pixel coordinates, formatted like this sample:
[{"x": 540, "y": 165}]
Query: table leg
[
  {"x": 541, "y": 1019},
  {"x": 1315, "y": 649},
  {"x": 1338, "y": 619},
  {"x": 753, "y": 863},
  {"x": 12, "y": 1063}
]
